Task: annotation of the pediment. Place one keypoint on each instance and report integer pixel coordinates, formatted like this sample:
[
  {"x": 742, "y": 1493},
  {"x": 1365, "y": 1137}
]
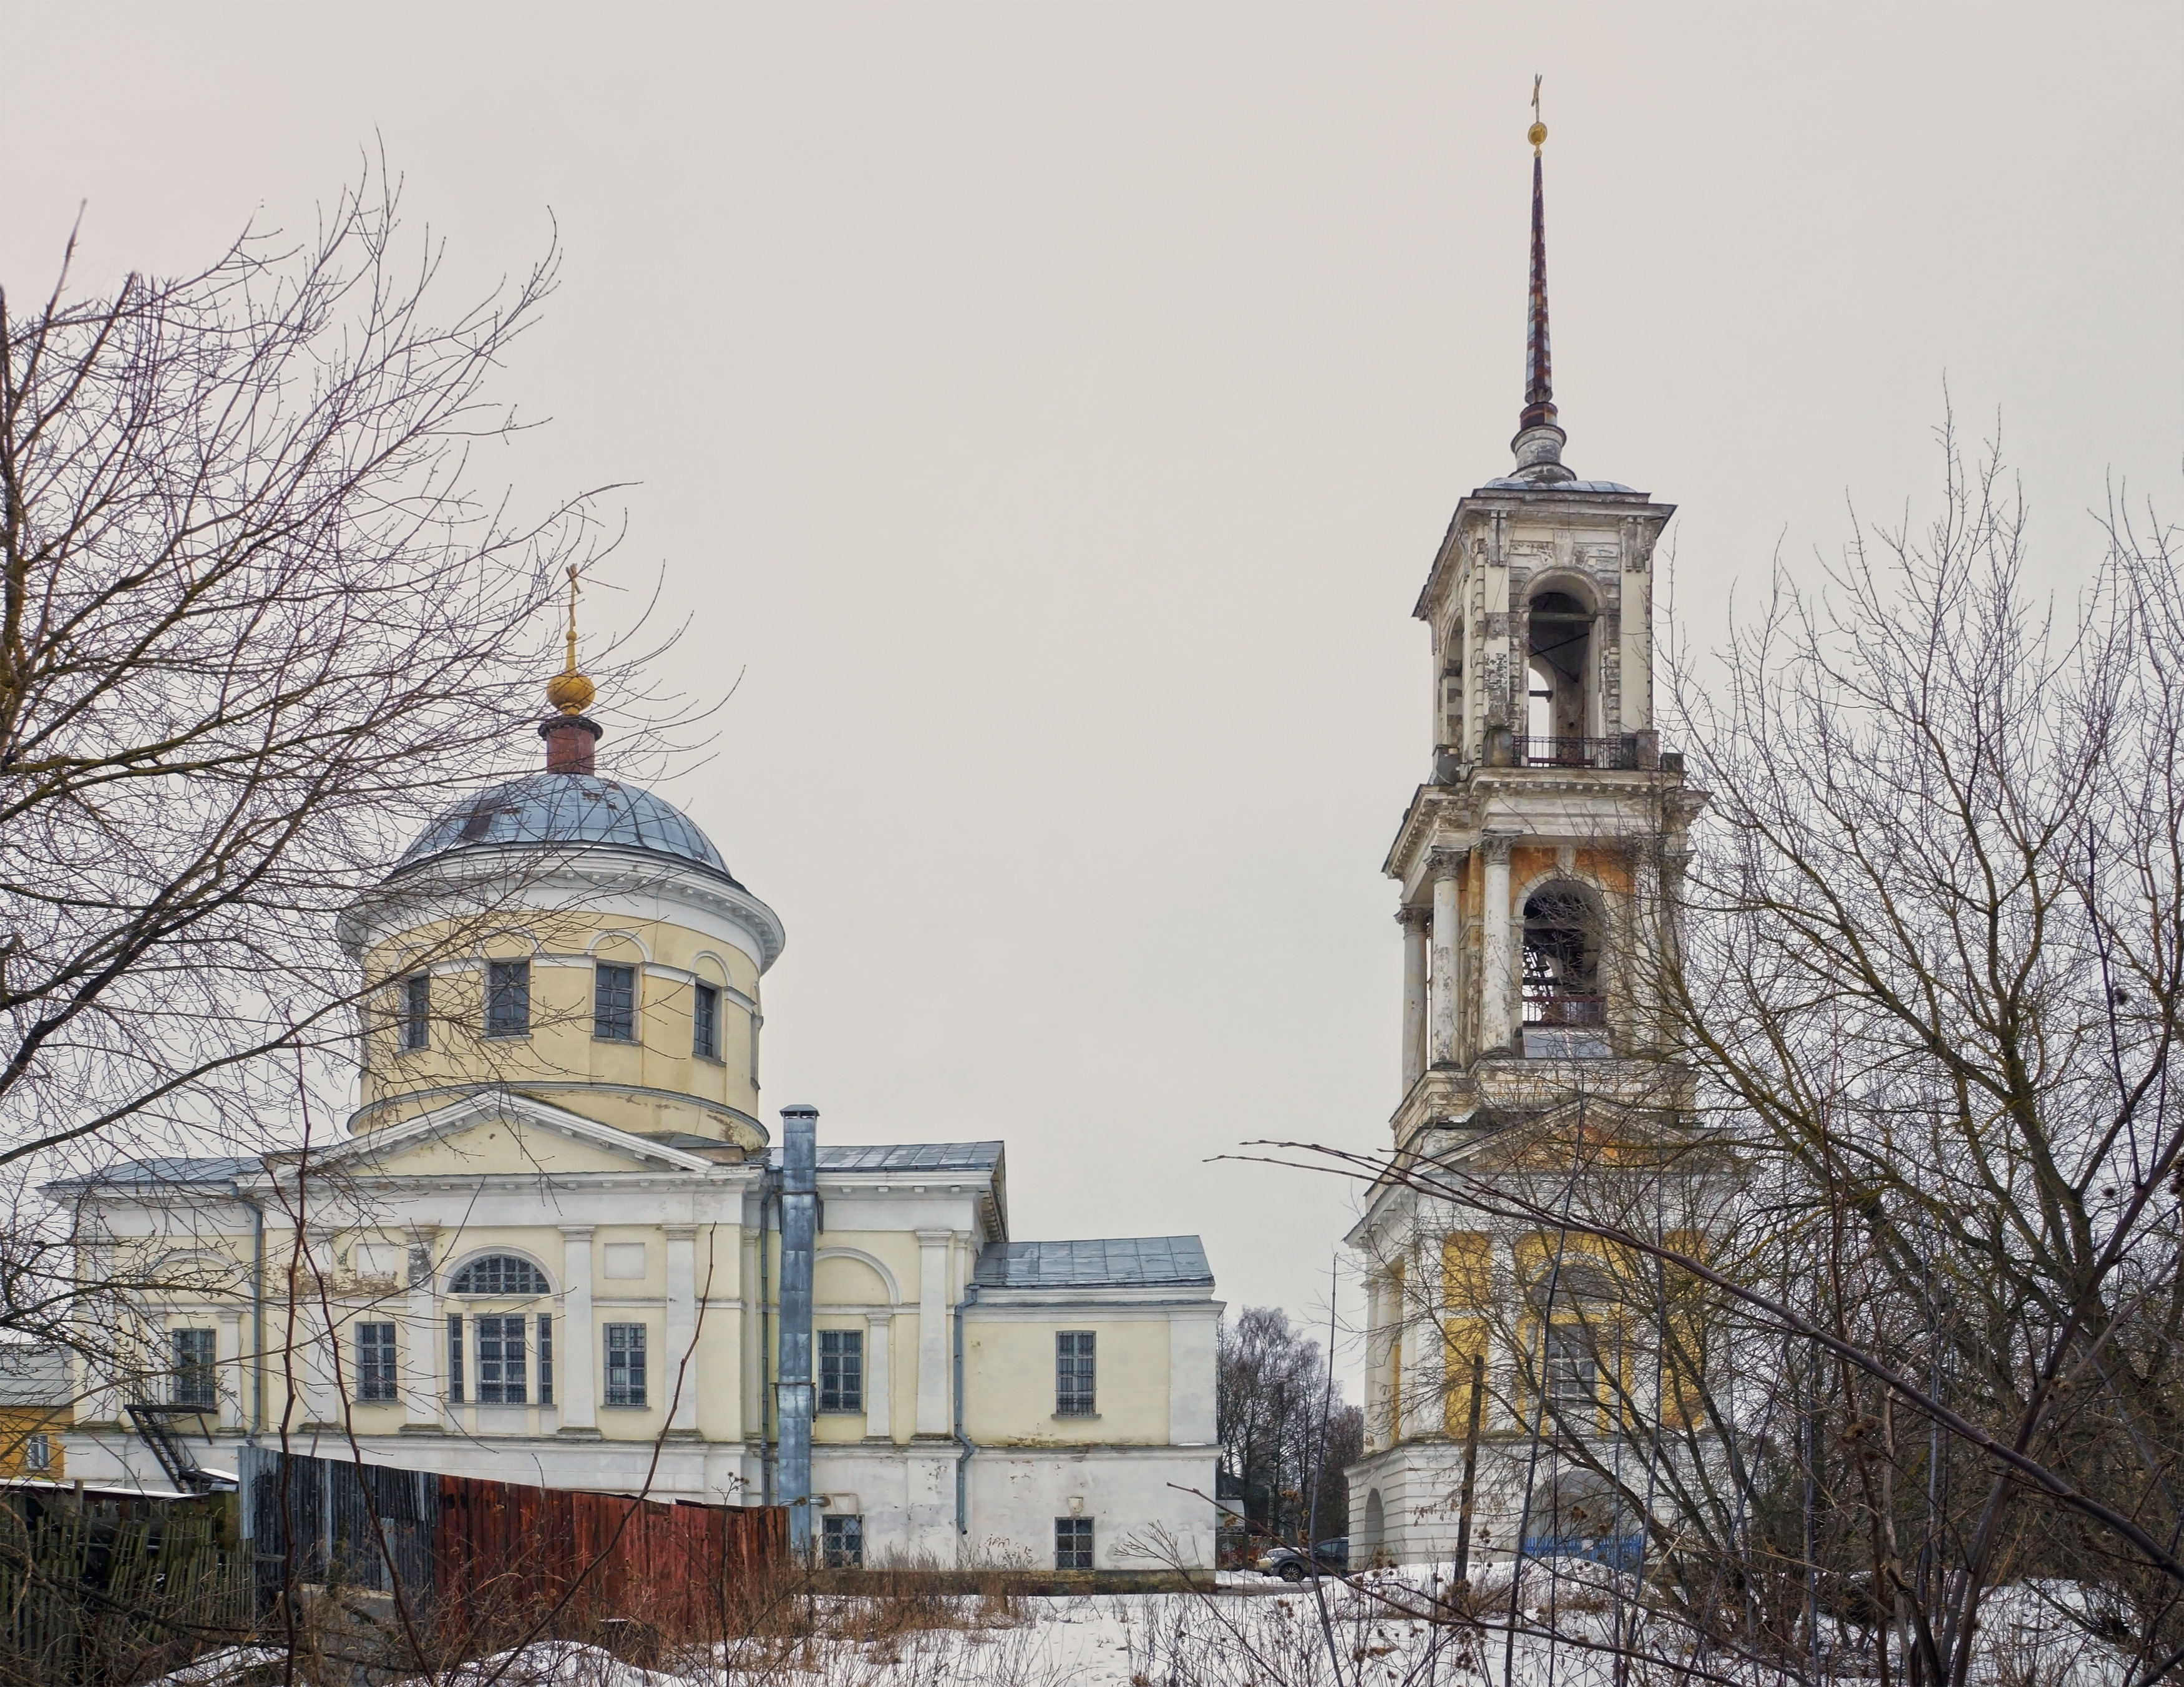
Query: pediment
[{"x": 504, "y": 1134}]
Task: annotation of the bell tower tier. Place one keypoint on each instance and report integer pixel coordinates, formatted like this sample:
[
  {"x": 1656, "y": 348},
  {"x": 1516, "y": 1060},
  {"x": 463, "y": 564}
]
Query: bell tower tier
[{"x": 1535, "y": 861}]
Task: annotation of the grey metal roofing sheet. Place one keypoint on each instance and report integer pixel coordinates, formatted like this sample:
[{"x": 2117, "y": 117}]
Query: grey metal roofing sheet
[
  {"x": 904, "y": 1156},
  {"x": 568, "y": 808},
  {"x": 1111, "y": 1262},
  {"x": 34, "y": 1375},
  {"x": 173, "y": 1169}
]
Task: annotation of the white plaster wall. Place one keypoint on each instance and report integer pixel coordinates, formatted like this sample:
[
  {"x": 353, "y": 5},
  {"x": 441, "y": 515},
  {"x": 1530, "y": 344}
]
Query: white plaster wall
[{"x": 1128, "y": 1492}]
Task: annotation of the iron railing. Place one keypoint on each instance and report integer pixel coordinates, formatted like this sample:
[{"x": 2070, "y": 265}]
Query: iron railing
[
  {"x": 1562, "y": 1007},
  {"x": 1605, "y": 755}
]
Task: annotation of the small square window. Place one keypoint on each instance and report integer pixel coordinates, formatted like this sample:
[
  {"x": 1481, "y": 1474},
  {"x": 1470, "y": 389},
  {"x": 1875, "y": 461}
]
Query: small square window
[
  {"x": 38, "y": 1453},
  {"x": 842, "y": 1542},
  {"x": 1073, "y": 1543},
  {"x": 196, "y": 1371},
  {"x": 507, "y": 998},
  {"x": 841, "y": 1370},
  {"x": 416, "y": 1018},
  {"x": 614, "y": 1003},
  {"x": 1076, "y": 1375},
  {"x": 625, "y": 1365},
  {"x": 705, "y": 1024},
  {"x": 375, "y": 1362}
]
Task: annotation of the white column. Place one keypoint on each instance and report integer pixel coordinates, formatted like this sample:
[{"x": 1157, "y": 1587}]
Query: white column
[
  {"x": 1446, "y": 913},
  {"x": 934, "y": 1354},
  {"x": 423, "y": 1386},
  {"x": 681, "y": 1327},
  {"x": 1414, "y": 922},
  {"x": 878, "y": 1328},
  {"x": 233, "y": 1383},
  {"x": 1496, "y": 986},
  {"x": 577, "y": 1351}
]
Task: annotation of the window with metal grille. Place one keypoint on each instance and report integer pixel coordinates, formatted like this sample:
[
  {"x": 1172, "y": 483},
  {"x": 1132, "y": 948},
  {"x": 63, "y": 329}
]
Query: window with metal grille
[
  {"x": 625, "y": 1365},
  {"x": 1075, "y": 1374},
  {"x": 705, "y": 1024},
  {"x": 507, "y": 998},
  {"x": 841, "y": 1370},
  {"x": 1073, "y": 1543},
  {"x": 375, "y": 1362},
  {"x": 842, "y": 1542},
  {"x": 455, "y": 1360},
  {"x": 545, "y": 1358},
  {"x": 614, "y": 1003},
  {"x": 197, "y": 1371},
  {"x": 417, "y": 1018},
  {"x": 505, "y": 1275},
  {"x": 500, "y": 1368}
]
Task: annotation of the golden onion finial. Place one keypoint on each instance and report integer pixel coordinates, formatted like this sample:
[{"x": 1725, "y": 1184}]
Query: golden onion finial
[
  {"x": 569, "y": 690},
  {"x": 1537, "y": 134}
]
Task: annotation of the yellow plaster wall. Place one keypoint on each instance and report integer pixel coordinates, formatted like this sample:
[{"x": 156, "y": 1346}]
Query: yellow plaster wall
[
  {"x": 1009, "y": 1382},
  {"x": 562, "y": 948}
]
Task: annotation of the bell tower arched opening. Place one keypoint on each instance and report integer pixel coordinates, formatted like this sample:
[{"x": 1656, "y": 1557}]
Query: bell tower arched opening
[
  {"x": 1565, "y": 1007},
  {"x": 1560, "y": 711}
]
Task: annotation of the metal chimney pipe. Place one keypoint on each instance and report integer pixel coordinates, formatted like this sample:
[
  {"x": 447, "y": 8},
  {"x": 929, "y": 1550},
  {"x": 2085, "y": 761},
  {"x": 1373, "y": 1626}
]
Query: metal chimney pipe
[{"x": 800, "y": 1228}]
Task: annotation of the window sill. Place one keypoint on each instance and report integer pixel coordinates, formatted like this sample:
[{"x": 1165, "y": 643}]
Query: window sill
[
  {"x": 625, "y": 1042},
  {"x": 523, "y": 1036},
  {"x": 611, "y": 1406},
  {"x": 707, "y": 1059},
  {"x": 1076, "y": 1417},
  {"x": 841, "y": 1411}
]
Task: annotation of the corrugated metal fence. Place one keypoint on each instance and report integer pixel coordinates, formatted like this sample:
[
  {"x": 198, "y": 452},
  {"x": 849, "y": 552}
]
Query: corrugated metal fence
[{"x": 502, "y": 1553}]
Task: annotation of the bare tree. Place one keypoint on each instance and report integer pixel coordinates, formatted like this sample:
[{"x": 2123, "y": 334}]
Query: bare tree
[{"x": 257, "y": 621}]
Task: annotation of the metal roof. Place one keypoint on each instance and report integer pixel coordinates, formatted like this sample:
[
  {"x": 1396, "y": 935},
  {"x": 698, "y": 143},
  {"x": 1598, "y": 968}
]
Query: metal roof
[
  {"x": 549, "y": 809},
  {"x": 164, "y": 1171},
  {"x": 34, "y": 1375},
  {"x": 1113, "y": 1262},
  {"x": 905, "y": 1156},
  {"x": 1511, "y": 484}
]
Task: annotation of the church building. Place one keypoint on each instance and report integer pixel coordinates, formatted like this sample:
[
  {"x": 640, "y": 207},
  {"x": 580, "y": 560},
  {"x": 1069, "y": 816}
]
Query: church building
[
  {"x": 559, "y": 1243},
  {"x": 1536, "y": 873}
]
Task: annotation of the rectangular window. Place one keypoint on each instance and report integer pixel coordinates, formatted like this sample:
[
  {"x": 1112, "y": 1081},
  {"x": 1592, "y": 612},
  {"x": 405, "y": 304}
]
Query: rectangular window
[
  {"x": 705, "y": 1024},
  {"x": 501, "y": 1380},
  {"x": 841, "y": 1541},
  {"x": 1573, "y": 1368},
  {"x": 625, "y": 1365},
  {"x": 196, "y": 1371},
  {"x": 1073, "y": 1543},
  {"x": 841, "y": 1370},
  {"x": 416, "y": 1026},
  {"x": 614, "y": 1003},
  {"x": 38, "y": 1454},
  {"x": 1075, "y": 1374},
  {"x": 375, "y": 1362},
  {"x": 454, "y": 1358},
  {"x": 507, "y": 998},
  {"x": 545, "y": 1358}
]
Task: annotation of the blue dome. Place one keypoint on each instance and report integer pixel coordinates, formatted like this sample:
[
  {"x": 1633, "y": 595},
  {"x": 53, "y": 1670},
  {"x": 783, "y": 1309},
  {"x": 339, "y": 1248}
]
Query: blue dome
[{"x": 568, "y": 809}]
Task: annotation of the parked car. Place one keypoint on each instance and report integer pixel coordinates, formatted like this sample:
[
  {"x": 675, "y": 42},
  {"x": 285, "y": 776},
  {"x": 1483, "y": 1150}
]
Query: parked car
[{"x": 1294, "y": 1563}]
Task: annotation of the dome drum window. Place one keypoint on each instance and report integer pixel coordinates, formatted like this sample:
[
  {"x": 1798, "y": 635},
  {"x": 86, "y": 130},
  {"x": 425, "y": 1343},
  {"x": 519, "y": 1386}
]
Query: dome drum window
[{"x": 500, "y": 1276}]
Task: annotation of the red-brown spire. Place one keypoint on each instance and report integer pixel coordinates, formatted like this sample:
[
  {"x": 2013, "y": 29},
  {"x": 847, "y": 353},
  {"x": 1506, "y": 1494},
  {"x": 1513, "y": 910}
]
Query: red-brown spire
[
  {"x": 1538, "y": 362},
  {"x": 1539, "y": 441}
]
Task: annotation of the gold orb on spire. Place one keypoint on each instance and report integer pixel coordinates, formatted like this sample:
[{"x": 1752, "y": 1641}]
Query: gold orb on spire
[
  {"x": 569, "y": 690},
  {"x": 1537, "y": 135}
]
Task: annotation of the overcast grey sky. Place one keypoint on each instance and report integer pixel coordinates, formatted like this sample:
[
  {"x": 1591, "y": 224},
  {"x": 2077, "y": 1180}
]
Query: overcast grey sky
[{"x": 1052, "y": 410}]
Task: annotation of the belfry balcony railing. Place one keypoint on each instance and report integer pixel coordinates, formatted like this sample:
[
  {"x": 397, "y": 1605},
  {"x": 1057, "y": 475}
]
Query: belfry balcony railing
[
  {"x": 1605, "y": 755},
  {"x": 1563, "y": 1025}
]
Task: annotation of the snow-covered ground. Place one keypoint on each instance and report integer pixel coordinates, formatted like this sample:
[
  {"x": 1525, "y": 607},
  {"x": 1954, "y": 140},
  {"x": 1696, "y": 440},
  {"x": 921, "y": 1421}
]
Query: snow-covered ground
[{"x": 1374, "y": 1630}]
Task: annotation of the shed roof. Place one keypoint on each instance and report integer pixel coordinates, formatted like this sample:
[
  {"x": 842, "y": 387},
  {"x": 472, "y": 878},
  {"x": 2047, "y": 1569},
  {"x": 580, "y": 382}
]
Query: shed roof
[
  {"x": 1109, "y": 1262},
  {"x": 33, "y": 1376}
]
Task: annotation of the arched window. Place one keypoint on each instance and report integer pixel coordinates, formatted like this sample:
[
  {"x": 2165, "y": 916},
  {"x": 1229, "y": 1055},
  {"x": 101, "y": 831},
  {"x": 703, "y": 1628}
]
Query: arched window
[
  {"x": 1558, "y": 664},
  {"x": 503, "y": 1275},
  {"x": 1565, "y": 1012}
]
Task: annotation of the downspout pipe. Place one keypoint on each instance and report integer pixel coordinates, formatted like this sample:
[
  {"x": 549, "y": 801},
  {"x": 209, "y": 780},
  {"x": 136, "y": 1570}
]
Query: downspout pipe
[
  {"x": 965, "y": 1446},
  {"x": 800, "y": 1225},
  {"x": 769, "y": 1192},
  {"x": 257, "y": 1315}
]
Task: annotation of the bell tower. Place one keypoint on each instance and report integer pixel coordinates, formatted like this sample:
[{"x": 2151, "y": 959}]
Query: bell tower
[{"x": 1530, "y": 861}]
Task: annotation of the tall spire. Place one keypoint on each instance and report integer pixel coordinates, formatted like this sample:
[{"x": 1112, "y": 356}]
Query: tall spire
[{"x": 1539, "y": 441}]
